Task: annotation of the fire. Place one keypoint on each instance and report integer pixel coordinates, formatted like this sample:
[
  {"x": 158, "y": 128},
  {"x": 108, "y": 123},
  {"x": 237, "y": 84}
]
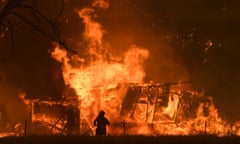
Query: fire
[
  {"x": 99, "y": 84},
  {"x": 114, "y": 84},
  {"x": 96, "y": 90},
  {"x": 96, "y": 79}
]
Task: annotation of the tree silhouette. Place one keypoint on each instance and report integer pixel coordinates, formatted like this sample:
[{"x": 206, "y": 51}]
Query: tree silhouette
[{"x": 28, "y": 12}]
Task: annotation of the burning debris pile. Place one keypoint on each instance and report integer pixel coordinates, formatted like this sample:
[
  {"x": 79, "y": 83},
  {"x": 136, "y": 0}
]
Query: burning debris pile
[
  {"x": 146, "y": 109},
  {"x": 164, "y": 111}
]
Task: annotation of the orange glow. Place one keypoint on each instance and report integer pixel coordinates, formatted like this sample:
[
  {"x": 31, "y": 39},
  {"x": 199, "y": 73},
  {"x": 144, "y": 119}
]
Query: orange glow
[
  {"x": 101, "y": 4},
  {"x": 102, "y": 81}
]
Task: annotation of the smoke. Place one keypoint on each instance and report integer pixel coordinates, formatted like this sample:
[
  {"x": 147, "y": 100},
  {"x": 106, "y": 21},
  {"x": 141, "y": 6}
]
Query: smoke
[
  {"x": 176, "y": 37},
  {"x": 129, "y": 24},
  {"x": 12, "y": 110},
  {"x": 188, "y": 27},
  {"x": 27, "y": 67}
]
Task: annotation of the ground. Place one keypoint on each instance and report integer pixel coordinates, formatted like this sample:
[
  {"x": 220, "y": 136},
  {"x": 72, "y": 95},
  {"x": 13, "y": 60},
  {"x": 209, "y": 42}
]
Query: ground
[{"x": 121, "y": 140}]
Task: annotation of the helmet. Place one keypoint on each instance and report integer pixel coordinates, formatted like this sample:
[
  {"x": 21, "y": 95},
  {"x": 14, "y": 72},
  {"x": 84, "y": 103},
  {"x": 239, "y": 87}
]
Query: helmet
[{"x": 101, "y": 112}]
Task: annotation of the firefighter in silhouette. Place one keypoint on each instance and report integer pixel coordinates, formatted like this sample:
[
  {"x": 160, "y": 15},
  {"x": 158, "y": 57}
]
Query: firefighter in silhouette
[{"x": 101, "y": 122}]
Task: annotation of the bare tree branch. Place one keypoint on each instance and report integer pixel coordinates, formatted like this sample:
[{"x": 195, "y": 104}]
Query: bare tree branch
[
  {"x": 42, "y": 31},
  {"x": 12, "y": 5}
]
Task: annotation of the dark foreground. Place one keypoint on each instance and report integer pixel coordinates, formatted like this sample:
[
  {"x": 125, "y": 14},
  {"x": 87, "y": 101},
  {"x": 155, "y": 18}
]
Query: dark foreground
[{"x": 120, "y": 140}]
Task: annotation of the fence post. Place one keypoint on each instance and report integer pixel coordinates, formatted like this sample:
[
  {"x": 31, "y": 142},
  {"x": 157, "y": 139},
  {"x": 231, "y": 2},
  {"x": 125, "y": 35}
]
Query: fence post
[
  {"x": 205, "y": 127},
  {"x": 124, "y": 127},
  {"x": 25, "y": 127}
]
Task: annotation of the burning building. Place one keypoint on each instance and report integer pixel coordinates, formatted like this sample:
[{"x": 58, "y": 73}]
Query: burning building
[
  {"x": 101, "y": 81},
  {"x": 145, "y": 109},
  {"x": 98, "y": 80}
]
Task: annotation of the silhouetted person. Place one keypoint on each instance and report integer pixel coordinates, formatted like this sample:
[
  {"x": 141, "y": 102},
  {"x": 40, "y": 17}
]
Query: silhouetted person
[{"x": 101, "y": 122}]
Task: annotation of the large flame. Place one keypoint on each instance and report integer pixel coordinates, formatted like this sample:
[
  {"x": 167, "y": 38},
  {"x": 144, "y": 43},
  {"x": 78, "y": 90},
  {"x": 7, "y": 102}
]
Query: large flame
[
  {"x": 102, "y": 81},
  {"x": 97, "y": 78}
]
